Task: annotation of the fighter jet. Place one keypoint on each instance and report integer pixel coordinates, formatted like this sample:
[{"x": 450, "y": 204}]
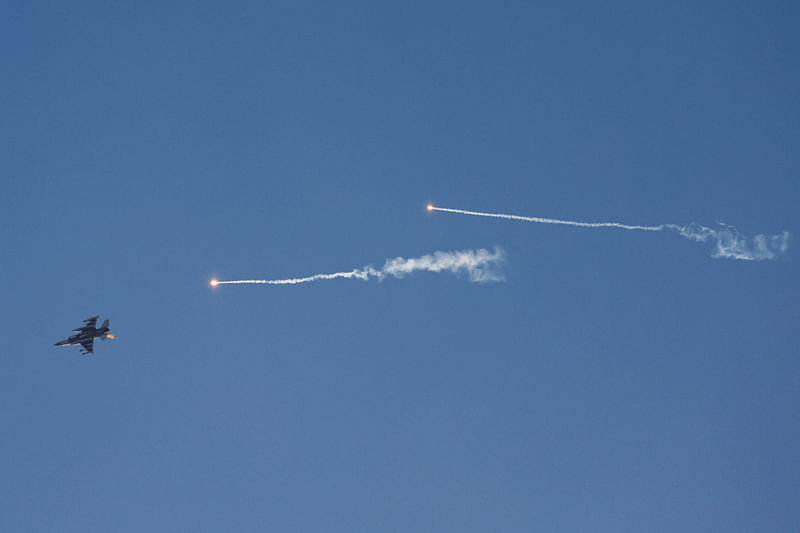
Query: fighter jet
[{"x": 86, "y": 335}]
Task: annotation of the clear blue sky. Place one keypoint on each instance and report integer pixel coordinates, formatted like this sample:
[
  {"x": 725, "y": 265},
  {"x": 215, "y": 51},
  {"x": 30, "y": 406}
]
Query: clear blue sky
[{"x": 615, "y": 381}]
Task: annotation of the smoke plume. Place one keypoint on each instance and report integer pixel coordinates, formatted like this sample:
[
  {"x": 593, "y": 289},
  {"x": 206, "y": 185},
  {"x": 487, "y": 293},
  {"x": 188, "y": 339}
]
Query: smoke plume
[
  {"x": 729, "y": 243},
  {"x": 478, "y": 265}
]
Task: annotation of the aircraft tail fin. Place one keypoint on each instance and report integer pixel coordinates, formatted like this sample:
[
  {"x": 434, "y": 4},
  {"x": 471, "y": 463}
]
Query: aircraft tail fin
[{"x": 105, "y": 324}]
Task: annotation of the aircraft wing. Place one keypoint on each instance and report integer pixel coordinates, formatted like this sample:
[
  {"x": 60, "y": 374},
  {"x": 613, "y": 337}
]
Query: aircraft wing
[
  {"x": 88, "y": 345},
  {"x": 91, "y": 322}
]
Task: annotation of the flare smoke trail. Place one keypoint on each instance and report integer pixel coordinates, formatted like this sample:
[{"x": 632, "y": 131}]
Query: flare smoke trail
[
  {"x": 479, "y": 265},
  {"x": 730, "y": 244}
]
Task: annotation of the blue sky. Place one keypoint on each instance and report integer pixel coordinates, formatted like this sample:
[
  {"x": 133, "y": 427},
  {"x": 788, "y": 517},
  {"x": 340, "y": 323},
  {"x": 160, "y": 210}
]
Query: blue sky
[{"x": 615, "y": 381}]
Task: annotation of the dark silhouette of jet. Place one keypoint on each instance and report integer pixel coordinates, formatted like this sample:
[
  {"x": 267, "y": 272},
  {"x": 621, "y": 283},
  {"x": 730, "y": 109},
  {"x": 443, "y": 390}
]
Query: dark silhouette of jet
[{"x": 86, "y": 335}]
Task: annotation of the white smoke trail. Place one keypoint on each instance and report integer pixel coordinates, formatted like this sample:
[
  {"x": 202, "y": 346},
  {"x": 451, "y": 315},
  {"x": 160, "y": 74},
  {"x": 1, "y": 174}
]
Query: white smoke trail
[
  {"x": 360, "y": 274},
  {"x": 549, "y": 220},
  {"x": 730, "y": 244},
  {"x": 479, "y": 265}
]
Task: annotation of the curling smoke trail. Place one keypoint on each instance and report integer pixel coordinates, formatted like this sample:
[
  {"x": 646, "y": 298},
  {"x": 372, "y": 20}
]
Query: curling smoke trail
[
  {"x": 479, "y": 265},
  {"x": 730, "y": 243}
]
